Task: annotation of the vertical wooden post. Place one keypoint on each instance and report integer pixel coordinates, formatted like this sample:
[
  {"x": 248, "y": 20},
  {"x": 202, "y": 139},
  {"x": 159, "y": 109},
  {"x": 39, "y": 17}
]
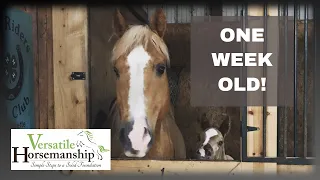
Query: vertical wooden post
[
  {"x": 70, "y": 54},
  {"x": 45, "y": 69},
  {"x": 255, "y": 113},
  {"x": 272, "y": 75}
]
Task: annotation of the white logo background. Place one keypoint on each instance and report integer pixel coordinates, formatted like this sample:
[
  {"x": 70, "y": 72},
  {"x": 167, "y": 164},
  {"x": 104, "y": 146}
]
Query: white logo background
[{"x": 100, "y": 160}]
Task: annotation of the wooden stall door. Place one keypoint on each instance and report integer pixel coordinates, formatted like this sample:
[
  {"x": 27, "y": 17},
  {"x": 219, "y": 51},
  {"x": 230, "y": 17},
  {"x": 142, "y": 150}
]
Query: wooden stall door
[{"x": 70, "y": 54}]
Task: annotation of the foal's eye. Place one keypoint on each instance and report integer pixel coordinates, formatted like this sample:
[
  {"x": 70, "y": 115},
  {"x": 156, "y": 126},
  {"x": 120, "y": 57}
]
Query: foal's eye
[
  {"x": 160, "y": 68},
  {"x": 116, "y": 71},
  {"x": 220, "y": 143}
]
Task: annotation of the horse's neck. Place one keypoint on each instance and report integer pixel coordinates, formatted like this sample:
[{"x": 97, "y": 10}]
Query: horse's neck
[
  {"x": 168, "y": 118},
  {"x": 166, "y": 123},
  {"x": 171, "y": 136}
]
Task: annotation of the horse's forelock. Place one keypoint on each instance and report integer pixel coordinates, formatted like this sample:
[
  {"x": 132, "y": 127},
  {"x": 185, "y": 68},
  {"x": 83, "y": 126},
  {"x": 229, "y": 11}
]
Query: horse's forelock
[{"x": 139, "y": 35}]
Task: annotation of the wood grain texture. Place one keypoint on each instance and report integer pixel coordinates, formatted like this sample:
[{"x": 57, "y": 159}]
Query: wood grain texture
[
  {"x": 45, "y": 70},
  {"x": 143, "y": 167},
  {"x": 169, "y": 168},
  {"x": 70, "y": 54},
  {"x": 50, "y": 72},
  {"x": 295, "y": 170},
  {"x": 255, "y": 113},
  {"x": 42, "y": 69},
  {"x": 272, "y": 75}
]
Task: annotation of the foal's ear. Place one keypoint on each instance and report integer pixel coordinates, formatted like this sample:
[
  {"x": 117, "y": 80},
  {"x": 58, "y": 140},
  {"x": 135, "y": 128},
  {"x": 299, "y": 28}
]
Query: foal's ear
[
  {"x": 119, "y": 23},
  {"x": 225, "y": 126},
  {"x": 158, "y": 22}
]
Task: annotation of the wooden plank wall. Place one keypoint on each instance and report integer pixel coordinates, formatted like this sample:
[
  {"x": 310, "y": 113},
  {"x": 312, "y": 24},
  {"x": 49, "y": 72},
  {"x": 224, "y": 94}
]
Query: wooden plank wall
[
  {"x": 169, "y": 168},
  {"x": 61, "y": 103},
  {"x": 43, "y": 71},
  {"x": 70, "y": 54},
  {"x": 67, "y": 108},
  {"x": 255, "y": 113},
  {"x": 272, "y": 73}
]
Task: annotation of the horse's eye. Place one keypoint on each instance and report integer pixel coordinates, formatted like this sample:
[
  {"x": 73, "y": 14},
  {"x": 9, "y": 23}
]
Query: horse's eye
[
  {"x": 160, "y": 68},
  {"x": 116, "y": 71},
  {"x": 220, "y": 143}
]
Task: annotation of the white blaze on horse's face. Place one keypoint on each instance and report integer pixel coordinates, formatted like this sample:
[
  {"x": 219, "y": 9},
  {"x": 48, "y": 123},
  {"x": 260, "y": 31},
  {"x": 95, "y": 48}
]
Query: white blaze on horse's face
[
  {"x": 208, "y": 135},
  {"x": 137, "y": 60}
]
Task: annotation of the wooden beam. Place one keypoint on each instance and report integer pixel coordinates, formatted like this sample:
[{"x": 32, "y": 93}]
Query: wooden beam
[
  {"x": 295, "y": 169},
  {"x": 272, "y": 77},
  {"x": 70, "y": 54},
  {"x": 154, "y": 167},
  {"x": 255, "y": 113},
  {"x": 44, "y": 38},
  {"x": 43, "y": 76},
  {"x": 168, "y": 168},
  {"x": 49, "y": 42}
]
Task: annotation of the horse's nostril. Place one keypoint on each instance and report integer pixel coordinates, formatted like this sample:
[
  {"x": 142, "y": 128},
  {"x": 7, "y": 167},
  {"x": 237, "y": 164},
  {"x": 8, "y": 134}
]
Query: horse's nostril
[
  {"x": 146, "y": 132},
  {"x": 133, "y": 151},
  {"x": 208, "y": 153}
]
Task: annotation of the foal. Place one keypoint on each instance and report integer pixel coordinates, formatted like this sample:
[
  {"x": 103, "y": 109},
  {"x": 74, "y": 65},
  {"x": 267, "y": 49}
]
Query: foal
[
  {"x": 143, "y": 124},
  {"x": 213, "y": 147}
]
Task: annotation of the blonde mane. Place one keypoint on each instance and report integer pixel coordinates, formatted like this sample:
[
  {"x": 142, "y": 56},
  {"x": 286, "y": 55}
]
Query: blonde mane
[{"x": 139, "y": 35}]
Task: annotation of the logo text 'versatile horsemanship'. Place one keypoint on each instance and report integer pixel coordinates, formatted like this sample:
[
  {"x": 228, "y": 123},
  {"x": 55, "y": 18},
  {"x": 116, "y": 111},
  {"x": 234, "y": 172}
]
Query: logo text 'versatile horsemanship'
[{"x": 60, "y": 149}]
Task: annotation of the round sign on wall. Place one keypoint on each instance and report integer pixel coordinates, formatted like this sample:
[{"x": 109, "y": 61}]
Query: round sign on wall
[{"x": 13, "y": 73}]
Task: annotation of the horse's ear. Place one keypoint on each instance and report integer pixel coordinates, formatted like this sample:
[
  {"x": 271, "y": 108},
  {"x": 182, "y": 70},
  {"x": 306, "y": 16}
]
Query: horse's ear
[
  {"x": 119, "y": 23},
  {"x": 225, "y": 126},
  {"x": 158, "y": 22}
]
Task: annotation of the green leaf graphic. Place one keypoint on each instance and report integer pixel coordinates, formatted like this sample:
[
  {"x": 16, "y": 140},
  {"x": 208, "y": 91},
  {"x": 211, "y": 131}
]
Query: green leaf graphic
[
  {"x": 102, "y": 149},
  {"x": 89, "y": 134}
]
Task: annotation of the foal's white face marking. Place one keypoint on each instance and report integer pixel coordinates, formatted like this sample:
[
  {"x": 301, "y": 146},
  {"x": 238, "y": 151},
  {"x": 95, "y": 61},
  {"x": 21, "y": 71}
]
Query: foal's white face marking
[
  {"x": 208, "y": 134},
  {"x": 137, "y": 60}
]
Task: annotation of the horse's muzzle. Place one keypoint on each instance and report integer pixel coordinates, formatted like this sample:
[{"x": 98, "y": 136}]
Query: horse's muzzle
[{"x": 136, "y": 141}]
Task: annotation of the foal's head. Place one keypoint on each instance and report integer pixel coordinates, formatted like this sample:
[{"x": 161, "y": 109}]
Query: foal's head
[
  {"x": 212, "y": 146},
  {"x": 140, "y": 58}
]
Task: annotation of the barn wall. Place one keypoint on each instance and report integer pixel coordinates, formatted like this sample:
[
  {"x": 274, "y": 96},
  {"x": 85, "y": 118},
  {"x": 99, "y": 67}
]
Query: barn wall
[
  {"x": 183, "y": 13},
  {"x": 189, "y": 119}
]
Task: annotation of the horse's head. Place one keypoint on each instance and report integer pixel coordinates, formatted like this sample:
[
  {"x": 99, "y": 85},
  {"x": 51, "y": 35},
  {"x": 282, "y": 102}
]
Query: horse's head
[
  {"x": 140, "y": 58},
  {"x": 212, "y": 146},
  {"x": 85, "y": 135}
]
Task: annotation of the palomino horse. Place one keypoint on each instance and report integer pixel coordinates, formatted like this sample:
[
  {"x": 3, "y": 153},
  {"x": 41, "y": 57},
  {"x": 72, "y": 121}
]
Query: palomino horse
[
  {"x": 212, "y": 147},
  {"x": 143, "y": 123},
  {"x": 142, "y": 117}
]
